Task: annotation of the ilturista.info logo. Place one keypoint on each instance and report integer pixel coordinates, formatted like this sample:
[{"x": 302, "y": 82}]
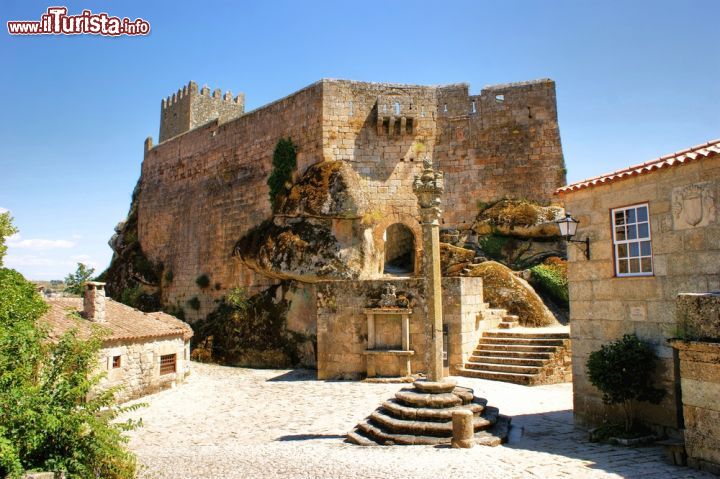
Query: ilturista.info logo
[{"x": 56, "y": 21}]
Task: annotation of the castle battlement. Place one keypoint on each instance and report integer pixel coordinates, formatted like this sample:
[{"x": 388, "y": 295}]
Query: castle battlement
[{"x": 191, "y": 107}]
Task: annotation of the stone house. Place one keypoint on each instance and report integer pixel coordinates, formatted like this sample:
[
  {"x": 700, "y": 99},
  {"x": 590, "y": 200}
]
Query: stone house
[
  {"x": 654, "y": 233},
  {"x": 141, "y": 352}
]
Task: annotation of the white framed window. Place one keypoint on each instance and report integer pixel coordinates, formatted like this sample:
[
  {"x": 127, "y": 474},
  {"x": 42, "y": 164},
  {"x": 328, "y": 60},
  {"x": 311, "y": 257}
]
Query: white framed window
[{"x": 631, "y": 241}]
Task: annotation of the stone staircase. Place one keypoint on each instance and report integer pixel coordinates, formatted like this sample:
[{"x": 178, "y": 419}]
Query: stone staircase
[
  {"x": 528, "y": 356},
  {"x": 423, "y": 415}
]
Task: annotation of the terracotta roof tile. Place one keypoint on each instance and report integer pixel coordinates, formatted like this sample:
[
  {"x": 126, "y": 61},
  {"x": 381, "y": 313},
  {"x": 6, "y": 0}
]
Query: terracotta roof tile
[
  {"x": 710, "y": 148},
  {"x": 122, "y": 322}
]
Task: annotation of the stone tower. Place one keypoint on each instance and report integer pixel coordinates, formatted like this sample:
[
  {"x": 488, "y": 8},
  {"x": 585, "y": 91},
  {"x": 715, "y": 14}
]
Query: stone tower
[{"x": 191, "y": 107}]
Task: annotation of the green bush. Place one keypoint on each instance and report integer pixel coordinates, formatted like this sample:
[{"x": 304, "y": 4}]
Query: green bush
[
  {"x": 623, "y": 371},
  {"x": 194, "y": 303},
  {"x": 48, "y": 418},
  {"x": 75, "y": 281},
  {"x": 283, "y": 164},
  {"x": 203, "y": 281},
  {"x": 551, "y": 280}
]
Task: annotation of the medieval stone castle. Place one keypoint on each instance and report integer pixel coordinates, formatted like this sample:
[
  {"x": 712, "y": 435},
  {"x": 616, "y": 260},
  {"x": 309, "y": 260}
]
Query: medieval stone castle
[{"x": 351, "y": 214}]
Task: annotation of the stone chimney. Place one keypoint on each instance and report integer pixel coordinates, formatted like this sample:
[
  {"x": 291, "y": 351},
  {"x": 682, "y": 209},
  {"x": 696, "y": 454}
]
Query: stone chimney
[{"x": 94, "y": 302}]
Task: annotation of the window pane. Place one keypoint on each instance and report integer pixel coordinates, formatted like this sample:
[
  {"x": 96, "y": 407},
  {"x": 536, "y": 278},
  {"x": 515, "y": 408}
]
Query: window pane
[
  {"x": 634, "y": 250},
  {"x": 634, "y": 265},
  {"x": 622, "y": 251},
  {"x": 631, "y": 215},
  {"x": 642, "y": 213},
  {"x": 645, "y": 248},
  {"x": 619, "y": 218},
  {"x": 622, "y": 266},
  {"x": 631, "y": 232},
  {"x": 643, "y": 230},
  {"x": 646, "y": 265},
  {"x": 620, "y": 233}
]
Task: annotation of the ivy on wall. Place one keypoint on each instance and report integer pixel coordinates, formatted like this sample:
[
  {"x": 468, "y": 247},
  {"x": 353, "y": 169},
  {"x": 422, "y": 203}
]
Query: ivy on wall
[{"x": 283, "y": 164}]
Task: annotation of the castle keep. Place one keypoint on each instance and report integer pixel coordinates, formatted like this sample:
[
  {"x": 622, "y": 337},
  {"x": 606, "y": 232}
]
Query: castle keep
[{"x": 202, "y": 205}]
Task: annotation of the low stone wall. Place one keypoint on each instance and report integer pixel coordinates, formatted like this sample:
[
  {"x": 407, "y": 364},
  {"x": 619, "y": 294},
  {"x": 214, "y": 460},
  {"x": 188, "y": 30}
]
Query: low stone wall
[
  {"x": 700, "y": 377},
  {"x": 342, "y": 323}
]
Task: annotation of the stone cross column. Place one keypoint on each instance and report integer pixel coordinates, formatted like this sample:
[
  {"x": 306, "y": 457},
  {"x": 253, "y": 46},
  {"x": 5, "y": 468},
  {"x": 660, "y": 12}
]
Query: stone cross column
[{"x": 428, "y": 187}]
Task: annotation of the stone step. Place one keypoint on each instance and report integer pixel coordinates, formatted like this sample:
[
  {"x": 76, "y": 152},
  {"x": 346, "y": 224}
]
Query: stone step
[
  {"x": 524, "y": 335},
  {"x": 508, "y": 360},
  {"x": 516, "y": 348},
  {"x": 421, "y": 428},
  {"x": 508, "y": 324},
  {"x": 370, "y": 433},
  {"x": 412, "y": 398},
  {"x": 504, "y": 368},
  {"x": 524, "y": 379},
  {"x": 388, "y": 438},
  {"x": 520, "y": 341},
  {"x": 358, "y": 437},
  {"x": 397, "y": 409},
  {"x": 512, "y": 354}
]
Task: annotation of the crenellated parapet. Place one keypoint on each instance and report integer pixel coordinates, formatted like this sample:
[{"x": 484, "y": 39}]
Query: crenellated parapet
[{"x": 191, "y": 107}]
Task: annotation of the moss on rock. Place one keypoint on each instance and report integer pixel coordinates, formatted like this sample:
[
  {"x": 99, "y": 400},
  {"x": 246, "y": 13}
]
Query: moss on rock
[
  {"x": 251, "y": 331},
  {"x": 303, "y": 249},
  {"x": 504, "y": 289},
  {"x": 454, "y": 259},
  {"x": 519, "y": 218},
  {"x": 329, "y": 189}
]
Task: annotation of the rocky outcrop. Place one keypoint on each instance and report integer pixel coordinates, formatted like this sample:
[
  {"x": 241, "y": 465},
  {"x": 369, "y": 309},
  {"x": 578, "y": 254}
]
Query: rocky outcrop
[
  {"x": 303, "y": 249},
  {"x": 300, "y": 241},
  {"x": 454, "y": 259},
  {"x": 519, "y": 218},
  {"x": 132, "y": 278},
  {"x": 504, "y": 289},
  {"x": 330, "y": 189}
]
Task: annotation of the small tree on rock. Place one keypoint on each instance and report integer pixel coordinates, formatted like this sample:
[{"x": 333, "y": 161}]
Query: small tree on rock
[
  {"x": 622, "y": 371},
  {"x": 75, "y": 281}
]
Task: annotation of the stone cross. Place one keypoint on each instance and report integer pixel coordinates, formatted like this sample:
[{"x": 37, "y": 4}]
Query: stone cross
[{"x": 428, "y": 187}]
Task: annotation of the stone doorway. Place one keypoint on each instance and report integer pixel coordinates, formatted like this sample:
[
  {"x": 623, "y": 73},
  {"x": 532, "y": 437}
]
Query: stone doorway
[{"x": 399, "y": 250}]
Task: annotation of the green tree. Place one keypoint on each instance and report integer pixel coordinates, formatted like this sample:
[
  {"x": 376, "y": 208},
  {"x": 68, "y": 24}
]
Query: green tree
[
  {"x": 6, "y": 229},
  {"x": 623, "y": 371},
  {"x": 52, "y": 416},
  {"x": 283, "y": 164},
  {"x": 75, "y": 281}
]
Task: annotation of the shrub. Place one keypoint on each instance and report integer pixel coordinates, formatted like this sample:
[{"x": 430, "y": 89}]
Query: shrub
[
  {"x": 622, "y": 370},
  {"x": 283, "y": 164},
  {"x": 48, "y": 418},
  {"x": 75, "y": 281},
  {"x": 203, "y": 281},
  {"x": 551, "y": 278},
  {"x": 194, "y": 303}
]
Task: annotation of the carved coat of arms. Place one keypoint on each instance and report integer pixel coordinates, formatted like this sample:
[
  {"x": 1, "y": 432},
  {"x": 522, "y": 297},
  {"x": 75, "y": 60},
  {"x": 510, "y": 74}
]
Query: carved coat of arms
[{"x": 693, "y": 206}]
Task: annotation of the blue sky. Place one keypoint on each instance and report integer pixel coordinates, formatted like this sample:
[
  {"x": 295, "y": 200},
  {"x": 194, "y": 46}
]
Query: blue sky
[{"x": 635, "y": 80}]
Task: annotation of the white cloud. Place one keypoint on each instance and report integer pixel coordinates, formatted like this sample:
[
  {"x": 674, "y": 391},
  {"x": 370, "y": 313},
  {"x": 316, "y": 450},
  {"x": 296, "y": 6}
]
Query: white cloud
[
  {"x": 3, "y": 210},
  {"x": 16, "y": 241},
  {"x": 76, "y": 236},
  {"x": 32, "y": 260}
]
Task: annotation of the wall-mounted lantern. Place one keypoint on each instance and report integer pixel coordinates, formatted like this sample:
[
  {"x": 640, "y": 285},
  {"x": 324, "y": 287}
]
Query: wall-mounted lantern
[{"x": 568, "y": 228}]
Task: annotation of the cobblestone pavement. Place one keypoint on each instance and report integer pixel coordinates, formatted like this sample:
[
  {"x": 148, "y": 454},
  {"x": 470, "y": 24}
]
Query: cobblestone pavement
[{"x": 249, "y": 423}]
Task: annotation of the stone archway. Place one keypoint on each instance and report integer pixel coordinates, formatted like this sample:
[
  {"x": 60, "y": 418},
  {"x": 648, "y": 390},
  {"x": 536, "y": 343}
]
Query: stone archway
[
  {"x": 399, "y": 250},
  {"x": 399, "y": 235}
]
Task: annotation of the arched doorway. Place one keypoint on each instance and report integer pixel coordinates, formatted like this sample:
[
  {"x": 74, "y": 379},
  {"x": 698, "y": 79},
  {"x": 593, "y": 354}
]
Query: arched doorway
[{"x": 399, "y": 250}]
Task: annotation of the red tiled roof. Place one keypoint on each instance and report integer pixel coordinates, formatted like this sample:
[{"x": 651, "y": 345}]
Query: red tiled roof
[
  {"x": 681, "y": 157},
  {"x": 121, "y": 322}
]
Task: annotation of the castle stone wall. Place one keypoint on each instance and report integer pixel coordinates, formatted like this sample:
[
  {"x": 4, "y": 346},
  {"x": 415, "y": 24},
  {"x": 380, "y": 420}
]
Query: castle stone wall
[{"x": 201, "y": 191}]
